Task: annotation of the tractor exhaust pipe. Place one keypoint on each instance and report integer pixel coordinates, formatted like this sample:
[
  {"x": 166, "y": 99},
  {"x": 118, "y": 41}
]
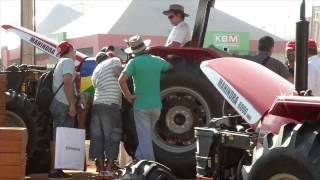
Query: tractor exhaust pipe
[
  {"x": 301, "y": 63},
  {"x": 202, "y": 17}
]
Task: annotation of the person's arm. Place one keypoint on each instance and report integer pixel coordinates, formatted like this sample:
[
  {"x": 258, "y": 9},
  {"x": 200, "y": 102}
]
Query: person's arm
[
  {"x": 68, "y": 89},
  {"x": 128, "y": 71},
  {"x": 284, "y": 72},
  {"x": 124, "y": 87},
  {"x": 68, "y": 70}
]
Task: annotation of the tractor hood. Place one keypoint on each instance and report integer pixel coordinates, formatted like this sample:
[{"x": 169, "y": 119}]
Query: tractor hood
[
  {"x": 41, "y": 42},
  {"x": 249, "y": 87}
]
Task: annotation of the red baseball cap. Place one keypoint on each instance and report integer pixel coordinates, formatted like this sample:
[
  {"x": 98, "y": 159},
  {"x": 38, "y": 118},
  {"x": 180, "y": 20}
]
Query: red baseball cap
[
  {"x": 312, "y": 44},
  {"x": 291, "y": 45},
  {"x": 63, "y": 47}
]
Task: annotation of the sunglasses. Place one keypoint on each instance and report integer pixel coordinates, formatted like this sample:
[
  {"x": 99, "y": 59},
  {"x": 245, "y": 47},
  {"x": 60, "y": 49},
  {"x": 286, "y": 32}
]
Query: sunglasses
[{"x": 171, "y": 16}]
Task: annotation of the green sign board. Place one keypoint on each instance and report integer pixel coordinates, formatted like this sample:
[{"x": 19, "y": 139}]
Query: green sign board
[
  {"x": 232, "y": 41},
  {"x": 58, "y": 37}
]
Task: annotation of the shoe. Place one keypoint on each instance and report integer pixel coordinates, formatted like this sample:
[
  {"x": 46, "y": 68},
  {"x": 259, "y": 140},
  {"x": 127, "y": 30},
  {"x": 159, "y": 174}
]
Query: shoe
[{"x": 59, "y": 174}]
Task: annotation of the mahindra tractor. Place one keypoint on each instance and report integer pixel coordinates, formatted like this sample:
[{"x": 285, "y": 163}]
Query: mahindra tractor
[
  {"x": 271, "y": 135},
  {"x": 275, "y": 133}
]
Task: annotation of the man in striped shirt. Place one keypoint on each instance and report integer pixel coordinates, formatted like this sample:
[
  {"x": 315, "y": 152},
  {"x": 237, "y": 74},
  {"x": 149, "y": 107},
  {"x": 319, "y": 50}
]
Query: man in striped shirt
[{"x": 106, "y": 122}]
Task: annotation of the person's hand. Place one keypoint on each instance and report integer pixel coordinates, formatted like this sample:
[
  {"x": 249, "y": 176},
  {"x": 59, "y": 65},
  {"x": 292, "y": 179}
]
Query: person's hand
[
  {"x": 131, "y": 98},
  {"x": 83, "y": 101},
  {"x": 295, "y": 93},
  {"x": 72, "y": 111}
]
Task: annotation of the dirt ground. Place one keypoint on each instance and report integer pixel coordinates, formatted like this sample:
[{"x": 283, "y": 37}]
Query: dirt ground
[{"x": 76, "y": 175}]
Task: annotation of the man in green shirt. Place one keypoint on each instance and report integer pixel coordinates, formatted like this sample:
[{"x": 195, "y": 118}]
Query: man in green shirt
[{"x": 145, "y": 69}]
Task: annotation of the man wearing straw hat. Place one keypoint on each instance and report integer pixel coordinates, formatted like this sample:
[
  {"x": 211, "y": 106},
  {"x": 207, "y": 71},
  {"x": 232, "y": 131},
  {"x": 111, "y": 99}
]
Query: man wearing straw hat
[
  {"x": 180, "y": 34},
  {"x": 145, "y": 69}
]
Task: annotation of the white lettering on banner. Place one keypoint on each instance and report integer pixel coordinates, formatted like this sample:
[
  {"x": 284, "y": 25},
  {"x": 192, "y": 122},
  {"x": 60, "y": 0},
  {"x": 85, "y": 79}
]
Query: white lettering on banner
[
  {"x": 228, "y": 38},
  {"x": 234, "y": 98}
]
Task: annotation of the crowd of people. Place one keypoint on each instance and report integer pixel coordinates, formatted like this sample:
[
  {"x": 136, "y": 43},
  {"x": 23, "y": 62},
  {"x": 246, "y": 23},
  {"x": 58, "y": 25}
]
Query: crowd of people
[{"x": 110, "y": 78}]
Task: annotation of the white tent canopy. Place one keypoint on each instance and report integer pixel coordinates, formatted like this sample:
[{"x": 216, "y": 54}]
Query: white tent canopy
[{"x": 145, "y": 17}]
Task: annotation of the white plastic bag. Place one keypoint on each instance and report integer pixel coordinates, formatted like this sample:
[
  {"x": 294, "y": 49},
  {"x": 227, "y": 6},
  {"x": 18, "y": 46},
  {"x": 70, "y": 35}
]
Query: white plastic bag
[{"x": 70, "y": 145}]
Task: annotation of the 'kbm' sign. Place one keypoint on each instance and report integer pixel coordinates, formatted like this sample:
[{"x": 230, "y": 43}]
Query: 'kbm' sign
[
  {"x": 233, "y": 41},
  {"x": 229, "y": 38}
]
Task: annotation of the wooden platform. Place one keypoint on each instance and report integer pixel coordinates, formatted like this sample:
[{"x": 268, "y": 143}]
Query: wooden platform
[{"x": 13, "y": 142}]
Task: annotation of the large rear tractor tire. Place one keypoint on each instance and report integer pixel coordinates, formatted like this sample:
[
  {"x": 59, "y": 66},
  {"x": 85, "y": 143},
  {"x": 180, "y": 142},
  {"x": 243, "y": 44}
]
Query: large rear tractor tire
[
  {"x": 293, "y": 154},
  {"x": 189, "y": 100},
  {"x": 21, "y": 112}
]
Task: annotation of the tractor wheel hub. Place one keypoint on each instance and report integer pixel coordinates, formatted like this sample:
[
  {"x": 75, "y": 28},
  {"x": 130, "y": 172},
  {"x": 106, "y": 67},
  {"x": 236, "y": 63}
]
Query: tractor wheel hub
[{"x": 179, "y": 119}]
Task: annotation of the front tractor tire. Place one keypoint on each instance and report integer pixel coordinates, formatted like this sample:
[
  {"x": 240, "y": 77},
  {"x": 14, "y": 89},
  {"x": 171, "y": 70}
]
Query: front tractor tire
[
  {"x": 293, "y": 154},
  {"x": 189, "y": 100},
  {"x": 21, "y": 112}
]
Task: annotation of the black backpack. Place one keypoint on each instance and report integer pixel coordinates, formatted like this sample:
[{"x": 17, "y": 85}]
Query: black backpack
[{"x": 44, "y": 92}]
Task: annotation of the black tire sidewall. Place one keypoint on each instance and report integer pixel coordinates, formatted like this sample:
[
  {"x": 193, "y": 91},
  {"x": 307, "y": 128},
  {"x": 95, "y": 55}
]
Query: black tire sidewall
[
  {"x": 38, "y": 127},
  {"x": 280, "y": 161},
  {"x": 294, "y": 151},
  {"x": 191, "y": 78}
]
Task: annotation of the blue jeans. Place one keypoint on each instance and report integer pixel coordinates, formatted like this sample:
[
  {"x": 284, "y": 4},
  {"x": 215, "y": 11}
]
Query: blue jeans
[
  {"x": 105, "y": 131},
  {"x": 144, "y": 120},
  {"x": 61, "y": 118}
]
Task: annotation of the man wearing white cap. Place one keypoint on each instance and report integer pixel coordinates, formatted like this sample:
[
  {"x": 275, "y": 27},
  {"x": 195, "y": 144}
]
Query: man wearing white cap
[
  {"x": 180, "y": 34},
  {"x": 145, "y": 69}
]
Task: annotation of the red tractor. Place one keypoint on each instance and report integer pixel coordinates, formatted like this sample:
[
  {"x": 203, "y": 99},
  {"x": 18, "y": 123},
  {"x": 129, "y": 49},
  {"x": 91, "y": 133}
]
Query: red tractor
[
  {"x": 186, "y": 101},
  {"x": 275, "y": 135}
]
